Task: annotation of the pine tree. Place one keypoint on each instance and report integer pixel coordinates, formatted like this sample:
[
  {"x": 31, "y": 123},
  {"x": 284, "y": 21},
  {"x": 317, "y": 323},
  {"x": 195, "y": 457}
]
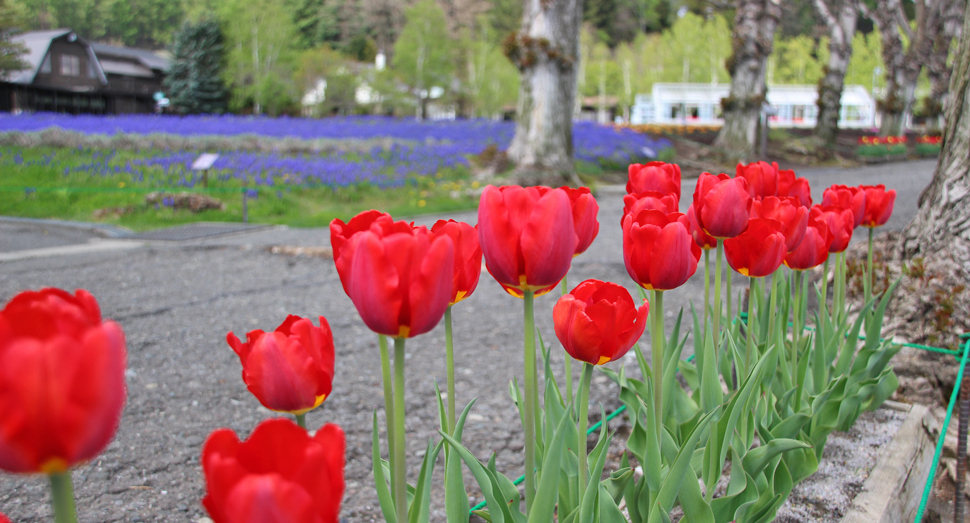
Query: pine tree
[{"x": 194, "y": 83}]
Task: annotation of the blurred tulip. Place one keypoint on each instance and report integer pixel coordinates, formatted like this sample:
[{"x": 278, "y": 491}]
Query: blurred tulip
[
  {"x": 3, "y": 519},
  {"x": 814, "y": 249},
  {"x": 279, "y": 475},
  {"x": 702, "y": 239},
  {"x": 649, "y": 200},
  {"x": 879, "y": 205},
  {"x": 527, "y": 236},
  {"x": 598, "y": 321},
  {"x": 721, "y": 205},
  {"x": 791, "y": 186},
  {"x": 585, "y": 210},
  {"x": 291, "y": 368},
  {"x": 786, "y": 211},
  {"x": 849, "y": 198},
  {"x": 839, "y": 222},
  {"x": 654, "y": 176},
  {"x": 399, "y": 277},
  {"x": 762, "y": 178},
  {"x": 759, "y": 250},
  {"x": 468, "y": 256},
  {"x": 62, "y": 381},
  {"x": 658, "y": 250}
]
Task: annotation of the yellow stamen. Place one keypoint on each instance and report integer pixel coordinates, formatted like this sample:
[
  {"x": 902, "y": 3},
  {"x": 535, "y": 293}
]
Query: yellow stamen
[
  {"x": 317, "y": 403},
  {"x": 603, "y": 359},
  {"x": 404, "y": 331},
  {"x": 460, "y": 296},
  {"x": 744, "y": 272},
  {"x": 54, "y": 466}
]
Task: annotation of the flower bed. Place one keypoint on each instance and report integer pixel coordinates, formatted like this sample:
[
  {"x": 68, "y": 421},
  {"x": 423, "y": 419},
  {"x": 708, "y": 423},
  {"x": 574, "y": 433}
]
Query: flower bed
[
  {"x": 881, "y": 148},
  {"x": 928, "y": 145}
]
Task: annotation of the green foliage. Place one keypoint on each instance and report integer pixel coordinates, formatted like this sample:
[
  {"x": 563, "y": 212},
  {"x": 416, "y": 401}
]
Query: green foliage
[
  {"x": 10, "y": 53},
  {"x": 622, "y": 21},
  {"x": 798, "y": 60},
  {"x": 326, "y": 68},
  {"x": 490, "y": 82},
  {"x": 866, "y": 57},
  {"x": 694, "y": 50},
  {"x": 138, "y": 23},
  {"x": 423, "y": 53},
  {"x": 194, "y": 83}
]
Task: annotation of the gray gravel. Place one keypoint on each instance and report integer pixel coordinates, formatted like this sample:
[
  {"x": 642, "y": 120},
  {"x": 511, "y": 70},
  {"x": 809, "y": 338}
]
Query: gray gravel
[{"x": 177, "y": 301}]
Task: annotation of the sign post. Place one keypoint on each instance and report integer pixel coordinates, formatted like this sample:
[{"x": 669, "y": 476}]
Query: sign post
[{"x": 204, "y": 163}]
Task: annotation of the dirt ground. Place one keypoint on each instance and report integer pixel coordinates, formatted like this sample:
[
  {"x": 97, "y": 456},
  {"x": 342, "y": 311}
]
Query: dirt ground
[{"x": 176, "y": 302}]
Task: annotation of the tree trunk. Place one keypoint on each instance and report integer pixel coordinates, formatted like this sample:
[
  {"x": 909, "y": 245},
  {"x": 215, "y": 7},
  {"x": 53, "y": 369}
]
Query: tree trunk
[
  {"x": 841, "y": 24},
  {"x": 546, "y": 52},
  {"x": 937, "y": 69},
  {"x": 942, "y": 223},
  {"x": 753, "y": 39}
]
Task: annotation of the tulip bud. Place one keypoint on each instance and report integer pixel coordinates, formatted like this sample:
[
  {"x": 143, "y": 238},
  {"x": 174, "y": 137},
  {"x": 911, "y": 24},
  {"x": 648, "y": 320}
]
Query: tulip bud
[
  {"x": 721, "y": 205},
  {"x": 658, "y": 251},
  {"x": 762, "y": 178},
  {"x": 598, "y": 321},
  {"x": 839, "y": 222},
  {"x": 786, "y": 211},
  {"x": 850, "y": 198},
  {"x": 814, "y": 249},
  {"x": 634, "y": 203},
  {"x": 759, "y": 250},
  {"x": 655, "y": 176},
  {"x": 879, "y": 205}
]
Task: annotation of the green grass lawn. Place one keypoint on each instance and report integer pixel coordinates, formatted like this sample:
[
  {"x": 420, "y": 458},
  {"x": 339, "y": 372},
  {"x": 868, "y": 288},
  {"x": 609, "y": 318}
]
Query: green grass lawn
[{"x": 84, "y": 185}]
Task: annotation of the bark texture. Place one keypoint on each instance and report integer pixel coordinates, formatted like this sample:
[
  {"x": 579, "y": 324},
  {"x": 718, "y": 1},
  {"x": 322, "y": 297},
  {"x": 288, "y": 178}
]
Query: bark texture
[
  {"x": 840, "y": 21},
  {"x": 942, "y": 223},
  {"x": 937, "y": 69},
  {"x": 753, "y": 38},
  {"x": 546, "y": 52}
]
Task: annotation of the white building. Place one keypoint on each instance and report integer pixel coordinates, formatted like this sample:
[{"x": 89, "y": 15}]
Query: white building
[{"x": 794, "y": 105}]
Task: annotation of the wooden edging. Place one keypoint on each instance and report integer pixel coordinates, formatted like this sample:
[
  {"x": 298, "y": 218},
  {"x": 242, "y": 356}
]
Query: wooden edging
[{"x": 894, "y": 488}]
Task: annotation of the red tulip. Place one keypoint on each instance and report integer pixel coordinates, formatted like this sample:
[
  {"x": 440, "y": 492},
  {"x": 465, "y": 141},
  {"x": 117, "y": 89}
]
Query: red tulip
[
  {"x": 399, "y": 277},
  {"x": 658, "y": 251},
  {"x": 786, "y": 211},
  {"x": 759, "y": 250},
  {"x": 850, "y": 198},
  {"x": 291, "y": 368},
  {"x": 702, "y": 239},
  {"x": 340, "y": 232},
  {"x": 62, "y": 381},
  {"x": 527, "y": 236},
  {"x": 814, "y": 249},
  {"x": 839, "y": 222},
  {"x": 762, "y": 178},
  {"x": 634, "y": 203},
  {"x": 879, "y": 205},
  {"x": 598, "y": 321},
  {"x": 3, "y": 519},
  {"x": 468, "y": 256},
  {"x": 790, "y": 186},
  {"x": 655, "y": 176},
  {"x": 721, "y": 205},
  {"x": 279, "y": 474},
  {"x": 585, "y": 210}
]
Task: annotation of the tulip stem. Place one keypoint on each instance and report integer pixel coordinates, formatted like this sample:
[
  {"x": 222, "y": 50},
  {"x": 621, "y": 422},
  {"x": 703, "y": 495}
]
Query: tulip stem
[
  {"x": 749, "y": 349},
  {"x": 727, "y": 290},
  {"x": 870, "y": 275},
  {"x": 584, "y": 384},
  {"x": 530, "y": 399},
  {"x": 716, "y": 314},
  {"x": 450, "y": 362},
  {"x": 301, "y": 420},
  {"x": 707, "y": 290},
  {"x": 400, "y": 471},
  {"x": 657, "y": 355},
  {"x": 62, "y": 492},
  {"x": 825, "y": 285},
  {"x": 388, "y": 404},
  {"x": 569, "y": 360}
]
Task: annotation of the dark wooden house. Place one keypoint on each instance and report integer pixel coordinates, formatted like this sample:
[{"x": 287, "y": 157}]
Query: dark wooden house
[{"x": 66, "y": 73}]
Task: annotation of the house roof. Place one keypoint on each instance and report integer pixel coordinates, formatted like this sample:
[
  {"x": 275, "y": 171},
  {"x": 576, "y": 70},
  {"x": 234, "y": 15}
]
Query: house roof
[
  {"x": 38, "y": 43},
  {"x": 146, "y": 58}
]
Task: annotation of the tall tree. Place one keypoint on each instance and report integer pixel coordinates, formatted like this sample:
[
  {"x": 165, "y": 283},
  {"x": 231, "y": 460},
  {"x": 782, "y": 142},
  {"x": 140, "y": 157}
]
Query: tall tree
[
  {"x": 941, "y": 228},
  {"x": 194, "y": 83},
  {"x": 840, "y": 19},
  {"x": 11, "y": 53},
  {"x": 422, "y": 54},
  {"x": 546, "y": 51},
  {"x": 938, "y": 67},
  {"x": 753, "y": 37}
]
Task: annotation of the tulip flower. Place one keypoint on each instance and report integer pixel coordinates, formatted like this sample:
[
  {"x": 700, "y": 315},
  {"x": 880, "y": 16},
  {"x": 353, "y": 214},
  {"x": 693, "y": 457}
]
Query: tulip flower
[
  {"x": 398, "y": 276},
  {"x": 704, "y": 241},
  {"x": 289, "y": 369},
  {"x": 585, "y": 223},
  {"x": 721, "y": 205},
  {"x": 791, "y": 186},
  {"x": 762, "y": 178},
  {"x": 340, "y": 232},
  {"x": 814, "y": 249},
  {"x": 788, "y": 212},
  {"x": 850, "y": 198},
  {"x": 598, "y": 321},
  {"x": 839, "y": 222},
  {"x": 527, "y": 236},
  {"x": 468, "y": 256},
  {"x": 655, "y": 176},
  {"x": 62, "y": 386},
  {"x": 879, "y": 205},
  {"x": 634, "y": 203},
  {"x": 279, "y": 474},
  {"x": 658, "y": 251},
  {"x": 758, "y": 251},
  {"x": 4, "y": 519}
]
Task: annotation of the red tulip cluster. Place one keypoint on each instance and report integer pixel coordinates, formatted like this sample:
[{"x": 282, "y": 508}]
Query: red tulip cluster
[
  {"x": 881, "y": 140},
  {"x": 932, "y": 140}
]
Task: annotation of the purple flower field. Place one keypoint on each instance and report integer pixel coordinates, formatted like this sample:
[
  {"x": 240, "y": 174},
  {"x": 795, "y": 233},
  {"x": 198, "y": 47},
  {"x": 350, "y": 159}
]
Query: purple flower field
[{"x": 422, "y": 148}]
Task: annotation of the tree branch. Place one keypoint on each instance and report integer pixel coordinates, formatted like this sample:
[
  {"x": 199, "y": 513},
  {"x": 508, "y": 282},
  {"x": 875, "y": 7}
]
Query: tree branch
[{"x": 826, "y": 14}]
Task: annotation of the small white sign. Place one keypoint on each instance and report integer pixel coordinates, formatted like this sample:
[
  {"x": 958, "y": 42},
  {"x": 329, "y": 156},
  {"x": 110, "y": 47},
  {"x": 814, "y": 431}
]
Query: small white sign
[{"x": 204, "y": 162}]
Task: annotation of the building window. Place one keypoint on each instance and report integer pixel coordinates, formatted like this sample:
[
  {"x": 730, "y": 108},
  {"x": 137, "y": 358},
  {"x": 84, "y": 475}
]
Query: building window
[
  {"x": 70, "y": 65},
  {"x": 45, "y": 68}
]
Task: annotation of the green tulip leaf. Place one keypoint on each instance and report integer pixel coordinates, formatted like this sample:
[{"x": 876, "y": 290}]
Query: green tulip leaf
[
  {"x": 544, "y": 503},
  {"x": 419, "y": 511},
  {"x": 384, "y": 497}
]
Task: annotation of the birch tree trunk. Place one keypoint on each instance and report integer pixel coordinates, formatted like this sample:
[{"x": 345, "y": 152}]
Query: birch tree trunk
[
  {"x": 753, "y": 38},
  {"x": 937, "y": 69},
  {"x": 942, "y": 223},
  {"x": 546, "y": 51},
  {"x": 840, "y": 22}
]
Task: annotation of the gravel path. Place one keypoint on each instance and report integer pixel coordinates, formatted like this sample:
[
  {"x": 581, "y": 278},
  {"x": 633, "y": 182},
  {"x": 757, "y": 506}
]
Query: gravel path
[{"x": 177, "y": 301}]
